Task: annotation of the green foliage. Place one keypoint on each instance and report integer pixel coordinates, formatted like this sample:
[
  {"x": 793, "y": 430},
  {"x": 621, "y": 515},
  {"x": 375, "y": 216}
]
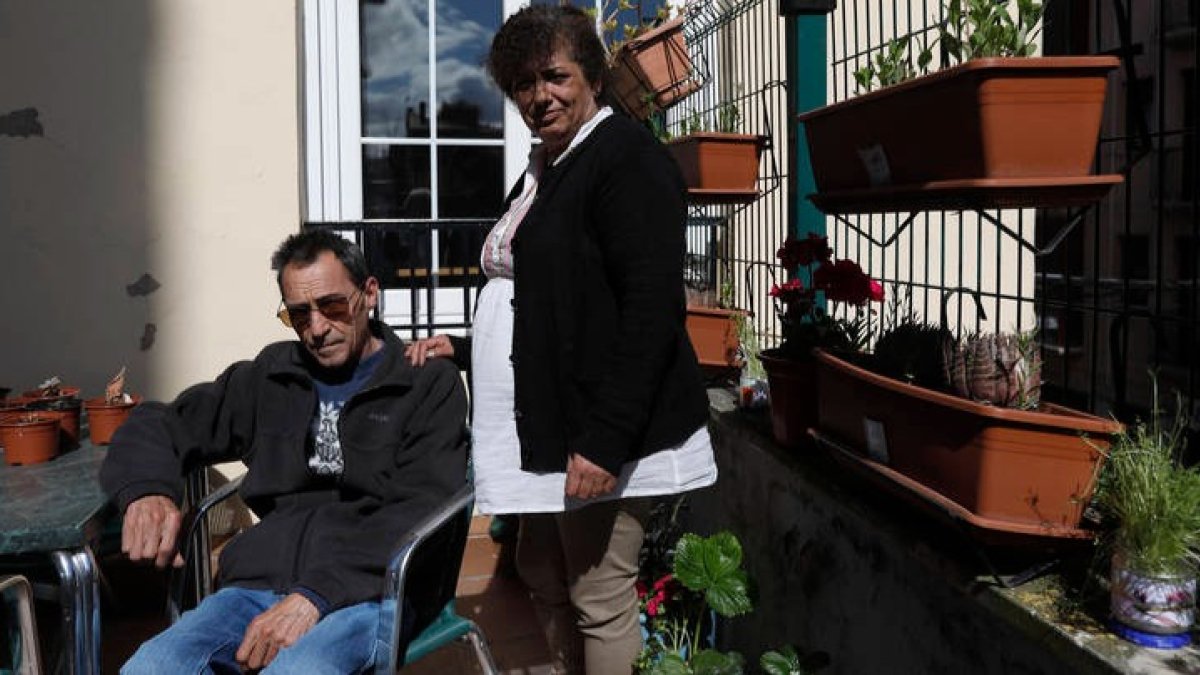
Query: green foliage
[
  {"x": 713, "y": 566},
  {"x": 984, "y": 28},
  {"x": 972, "y": 29},
  {"x": 893, "y": 65},
  {"x": 748, "y": 337},
  {"x": 1149, "y": 500}
]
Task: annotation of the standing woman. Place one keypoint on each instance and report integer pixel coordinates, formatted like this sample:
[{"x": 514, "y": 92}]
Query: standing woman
[{"x": 587, "y": 394}]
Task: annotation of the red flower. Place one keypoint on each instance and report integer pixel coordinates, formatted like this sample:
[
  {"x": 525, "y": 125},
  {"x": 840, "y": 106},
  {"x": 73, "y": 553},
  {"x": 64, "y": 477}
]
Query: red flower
[
  {"x": 876, "y": 291},
  {"x": 813, "y": 249},
  {"x": 845, "y": 281}
]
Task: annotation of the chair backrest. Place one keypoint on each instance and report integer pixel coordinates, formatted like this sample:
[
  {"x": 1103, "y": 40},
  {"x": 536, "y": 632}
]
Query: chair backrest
[{"x": 424, "y": 569}]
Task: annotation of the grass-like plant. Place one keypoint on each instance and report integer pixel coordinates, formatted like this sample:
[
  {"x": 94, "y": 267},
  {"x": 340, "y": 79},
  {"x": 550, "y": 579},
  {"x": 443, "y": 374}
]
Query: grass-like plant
[{"x": 1149, "y": 499}]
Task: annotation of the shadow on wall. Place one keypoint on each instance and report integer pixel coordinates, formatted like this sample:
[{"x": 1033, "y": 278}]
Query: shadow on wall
[{"x": 74, "y": 211}]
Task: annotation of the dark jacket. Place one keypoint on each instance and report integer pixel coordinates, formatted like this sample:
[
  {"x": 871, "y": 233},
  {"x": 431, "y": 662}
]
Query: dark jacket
[
  {"x": 602, "y": 362},
  {"x": 403, "y": 439}
]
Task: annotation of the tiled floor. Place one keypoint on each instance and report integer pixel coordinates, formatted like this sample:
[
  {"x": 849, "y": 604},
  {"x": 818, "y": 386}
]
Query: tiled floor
[{"x": 488, "y": 592}]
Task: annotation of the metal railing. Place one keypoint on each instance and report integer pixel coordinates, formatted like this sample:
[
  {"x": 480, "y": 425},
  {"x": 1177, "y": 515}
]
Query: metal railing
[{"x": 428, "y": 270}]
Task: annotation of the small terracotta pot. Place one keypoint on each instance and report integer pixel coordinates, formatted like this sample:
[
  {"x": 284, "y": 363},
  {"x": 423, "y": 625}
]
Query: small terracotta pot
[
  {"x": 28, "y": 438},
  {"x": 68, "y": 423},
  {"x": 104, "y": 418},
  {"x": 794, "y": 394}
]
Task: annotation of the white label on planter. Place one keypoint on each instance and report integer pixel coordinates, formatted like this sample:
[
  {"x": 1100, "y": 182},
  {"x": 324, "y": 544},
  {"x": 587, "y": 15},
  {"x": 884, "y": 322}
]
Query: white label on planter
[
  {"x": 875, "y": 161},
  {"x": 876, "y": 440}
]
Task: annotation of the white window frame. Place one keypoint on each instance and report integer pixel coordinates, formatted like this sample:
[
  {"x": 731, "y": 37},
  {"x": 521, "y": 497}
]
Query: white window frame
[{"x": 333, "y": 114}]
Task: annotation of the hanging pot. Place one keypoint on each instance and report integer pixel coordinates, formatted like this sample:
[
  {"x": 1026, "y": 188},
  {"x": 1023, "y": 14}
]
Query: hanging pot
[
  {"x": 1156, "y": 610},
  {"x": 104, "y": 418},
  {"x": 28, "y": 437}
]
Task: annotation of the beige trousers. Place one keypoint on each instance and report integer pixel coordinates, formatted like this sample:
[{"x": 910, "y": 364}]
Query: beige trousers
[{"x": 581, "y": 567}]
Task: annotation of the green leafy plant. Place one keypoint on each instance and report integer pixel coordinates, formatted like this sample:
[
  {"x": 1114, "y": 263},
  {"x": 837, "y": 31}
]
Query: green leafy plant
[
  {"x": 706, "y": 575},
  {"x": 1149, "y": 499},
  {"x": 685, "y": 583},
  {"x": 972, "y": 29}
]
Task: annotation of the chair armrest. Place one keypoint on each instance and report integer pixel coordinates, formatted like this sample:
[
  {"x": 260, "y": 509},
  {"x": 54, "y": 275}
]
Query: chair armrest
[
  {"x": 190, "y": 528},
  {"x": 391, "y": 605}
]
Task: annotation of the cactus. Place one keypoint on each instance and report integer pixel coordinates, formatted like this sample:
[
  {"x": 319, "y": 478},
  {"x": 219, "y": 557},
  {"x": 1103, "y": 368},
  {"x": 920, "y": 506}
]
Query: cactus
[{"x": 1002, "y": 369}]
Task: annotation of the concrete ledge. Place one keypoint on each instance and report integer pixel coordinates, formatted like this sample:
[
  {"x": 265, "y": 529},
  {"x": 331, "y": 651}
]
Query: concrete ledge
[{"x": 878, "y": 585}]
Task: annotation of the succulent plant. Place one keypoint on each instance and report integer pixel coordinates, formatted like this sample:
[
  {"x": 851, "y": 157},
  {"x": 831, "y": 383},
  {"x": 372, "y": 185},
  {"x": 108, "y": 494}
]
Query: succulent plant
[{"x": 1002, "y": 369}]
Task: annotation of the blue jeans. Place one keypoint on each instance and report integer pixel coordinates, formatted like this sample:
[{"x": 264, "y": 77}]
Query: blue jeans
[{"x": 205, "y": 639}]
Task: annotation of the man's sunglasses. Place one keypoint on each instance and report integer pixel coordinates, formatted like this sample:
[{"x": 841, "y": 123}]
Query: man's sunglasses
[{"x": 332, "y": 307}]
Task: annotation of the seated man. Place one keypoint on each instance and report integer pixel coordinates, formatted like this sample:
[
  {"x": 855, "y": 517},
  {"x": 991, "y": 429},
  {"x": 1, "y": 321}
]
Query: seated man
[{"x": 346, "y": 446}]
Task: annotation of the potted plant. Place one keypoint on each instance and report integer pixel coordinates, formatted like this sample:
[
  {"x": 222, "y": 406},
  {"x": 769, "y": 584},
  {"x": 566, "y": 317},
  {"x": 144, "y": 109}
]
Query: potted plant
[
  {"x": 712, "y": 326},
  {"x": 55, "y": 400},
  {"x": 1000, "y": 128},
  {"x": 28, "y": 437},
  {"x": 107, "y": 413},
  {"x": 997, "y": 456},
  {"x": 649, "y": 66},
  {"x": 791, "y": 370},
  {"x": 1150, "y": 504},
  {"x": 719, "y": 165}
]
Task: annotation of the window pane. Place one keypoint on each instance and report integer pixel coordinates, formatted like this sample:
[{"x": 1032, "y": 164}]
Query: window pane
[
  {"x": 470, "y": 181},
  {"x": 394, "y": 38},
  {"x": 396, "y": 181},
  {"x": 469, "y": 103}
]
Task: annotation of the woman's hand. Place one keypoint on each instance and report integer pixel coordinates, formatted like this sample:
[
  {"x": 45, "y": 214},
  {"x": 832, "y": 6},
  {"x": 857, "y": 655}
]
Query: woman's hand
[
  {"x": 431, "y": 347},
  {"x": 585, "y": 480}
]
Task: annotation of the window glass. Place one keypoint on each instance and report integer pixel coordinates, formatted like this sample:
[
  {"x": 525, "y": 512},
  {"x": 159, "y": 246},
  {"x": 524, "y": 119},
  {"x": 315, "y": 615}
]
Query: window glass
[
  {"x": 470, "y": 181},
  {"x": 469, "y": 104},
  {"x": 394, "y": 41},
  {"x": 396, "y": 181}
]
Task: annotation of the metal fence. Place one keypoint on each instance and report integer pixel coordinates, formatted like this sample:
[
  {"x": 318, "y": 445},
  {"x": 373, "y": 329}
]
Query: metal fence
[{"x": 1111, "y": 288}]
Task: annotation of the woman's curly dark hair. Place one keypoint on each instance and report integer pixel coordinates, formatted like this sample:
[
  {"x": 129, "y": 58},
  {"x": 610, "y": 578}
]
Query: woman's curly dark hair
[{"x": 529, "y": 38}]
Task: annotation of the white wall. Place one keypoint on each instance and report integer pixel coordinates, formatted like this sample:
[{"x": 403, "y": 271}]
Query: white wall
[{"x": 169, "y": 147}]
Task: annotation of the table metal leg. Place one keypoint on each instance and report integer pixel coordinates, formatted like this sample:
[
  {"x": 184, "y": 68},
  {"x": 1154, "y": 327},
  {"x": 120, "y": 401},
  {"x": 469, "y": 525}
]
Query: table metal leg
[{"x": 80, "y": 597}]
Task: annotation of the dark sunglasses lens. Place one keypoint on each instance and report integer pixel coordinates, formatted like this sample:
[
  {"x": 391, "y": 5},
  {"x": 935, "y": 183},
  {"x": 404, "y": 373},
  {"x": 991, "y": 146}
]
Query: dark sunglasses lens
[
  {"x": 335, "y": 309},
  {"x": 296, "y": 317}
]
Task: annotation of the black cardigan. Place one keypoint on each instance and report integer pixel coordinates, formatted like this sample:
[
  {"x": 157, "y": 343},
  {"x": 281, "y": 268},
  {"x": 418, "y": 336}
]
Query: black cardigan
[{"x": 603, "y": 365}]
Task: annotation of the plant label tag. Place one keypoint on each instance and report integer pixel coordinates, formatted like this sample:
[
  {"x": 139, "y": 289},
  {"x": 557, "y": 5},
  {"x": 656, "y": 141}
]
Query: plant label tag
[
  {"x": 876, "y": 440},
  {"x": 875, "y": 161}
]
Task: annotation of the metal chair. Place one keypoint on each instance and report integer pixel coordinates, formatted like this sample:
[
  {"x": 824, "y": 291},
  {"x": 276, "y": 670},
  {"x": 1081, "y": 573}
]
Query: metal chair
[
  {"x": 448, "y": 524},
  {"x": 26, "y": 655}
]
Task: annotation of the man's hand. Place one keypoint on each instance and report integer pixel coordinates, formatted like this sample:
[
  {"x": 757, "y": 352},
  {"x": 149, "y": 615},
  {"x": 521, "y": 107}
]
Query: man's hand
[
  {"x": 586, "y": 480},
  {"x": 275, "y": 629},
  {"x": 150, "y": 531},
  {"x": 418, "y": 351}
]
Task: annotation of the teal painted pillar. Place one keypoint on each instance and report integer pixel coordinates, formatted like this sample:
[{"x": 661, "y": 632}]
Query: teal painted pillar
[{"x": 807, "y": 76}]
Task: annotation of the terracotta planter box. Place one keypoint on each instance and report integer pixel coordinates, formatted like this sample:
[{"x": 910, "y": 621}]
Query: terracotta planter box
[
  {"x": 1023, "y": 472},
  {"x": 794, "y": 393},
  {"x": 718, "y": 168},
  {"x": 1022, "y": 125},
  {"x": 713, "y": 332},
  {"x": 652, "y": 67}
]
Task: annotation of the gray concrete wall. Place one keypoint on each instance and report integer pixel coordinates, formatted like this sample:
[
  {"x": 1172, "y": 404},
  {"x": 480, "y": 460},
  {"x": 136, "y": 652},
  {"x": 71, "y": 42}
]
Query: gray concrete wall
[{"x": 843, "y": 569}]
